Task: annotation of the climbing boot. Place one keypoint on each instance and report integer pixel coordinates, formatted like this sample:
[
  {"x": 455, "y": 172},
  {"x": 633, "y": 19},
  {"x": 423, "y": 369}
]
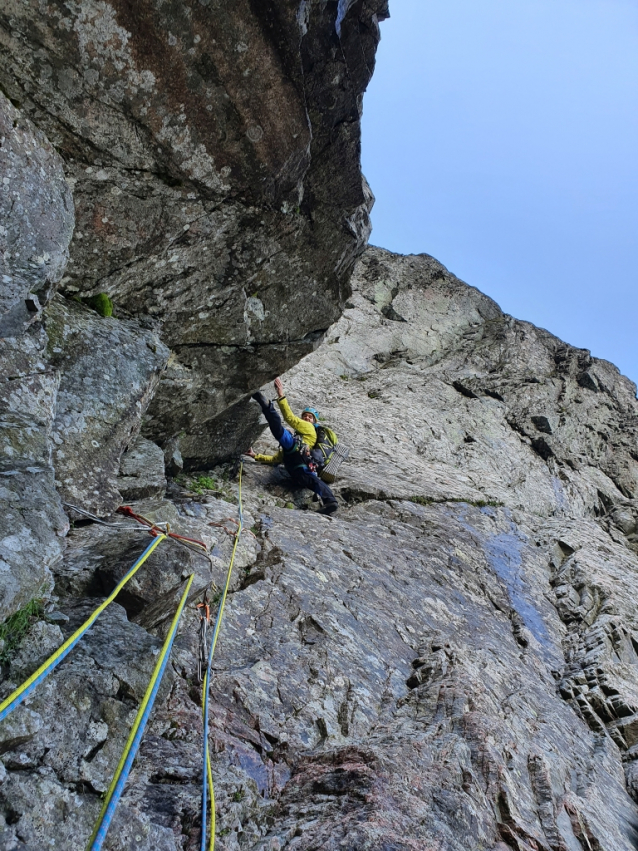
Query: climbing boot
[
  {"x": 261, "y": 399},
  {"x": 329, "y": 507}
]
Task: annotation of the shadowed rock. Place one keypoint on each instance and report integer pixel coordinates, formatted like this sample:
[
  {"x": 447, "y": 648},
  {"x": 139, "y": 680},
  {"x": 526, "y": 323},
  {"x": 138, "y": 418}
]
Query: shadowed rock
[
  {"x": 109, "y": 369},
  {"x": 214, "y": 157}
]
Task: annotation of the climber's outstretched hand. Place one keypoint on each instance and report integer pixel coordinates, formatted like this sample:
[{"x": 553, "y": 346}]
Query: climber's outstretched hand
[
  {"x": 279, "y": 387},
  {"x": 250, "y": 452}
]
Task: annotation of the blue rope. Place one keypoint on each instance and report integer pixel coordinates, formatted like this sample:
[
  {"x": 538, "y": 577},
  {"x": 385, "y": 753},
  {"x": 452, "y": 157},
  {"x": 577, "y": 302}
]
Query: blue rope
[
  {"x": 123, "y": 770},
  {"x": 22, "y": 692}
]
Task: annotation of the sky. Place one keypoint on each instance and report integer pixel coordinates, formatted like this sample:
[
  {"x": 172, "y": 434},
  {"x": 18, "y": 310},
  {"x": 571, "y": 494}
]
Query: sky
[{"x": 501, "y": 137}]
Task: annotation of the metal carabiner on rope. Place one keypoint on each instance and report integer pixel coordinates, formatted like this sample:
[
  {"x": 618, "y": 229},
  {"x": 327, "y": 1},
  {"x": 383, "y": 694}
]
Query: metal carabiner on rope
[{"x": 202, "y": 632}]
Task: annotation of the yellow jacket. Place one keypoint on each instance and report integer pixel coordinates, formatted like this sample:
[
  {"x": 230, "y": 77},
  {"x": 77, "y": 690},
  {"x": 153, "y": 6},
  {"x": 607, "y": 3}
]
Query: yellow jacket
[{"x": 305, "y": 430}]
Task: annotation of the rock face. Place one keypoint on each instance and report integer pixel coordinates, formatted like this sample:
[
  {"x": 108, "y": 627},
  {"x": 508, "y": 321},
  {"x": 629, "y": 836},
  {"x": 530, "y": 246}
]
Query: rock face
[
  {"x": 109, "y": 369},
  {"x": 36, "y": 222},
  {"x": 36, "y": 219},
  {"x": 32, "y": 520},
  {"x": 443, "y": 390},
  {"x": 213, "y": 152},
  {"x": 449, "y": 662}
]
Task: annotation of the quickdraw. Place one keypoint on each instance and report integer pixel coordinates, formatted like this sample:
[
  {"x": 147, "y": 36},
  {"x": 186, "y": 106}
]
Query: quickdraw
[
  {"x": 202, "y": 634},
  {"x": 155, "y": 528}
]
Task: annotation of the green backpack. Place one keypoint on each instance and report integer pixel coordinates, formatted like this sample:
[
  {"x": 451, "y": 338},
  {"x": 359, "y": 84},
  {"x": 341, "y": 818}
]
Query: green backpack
[{"x": 328, "y": 453}]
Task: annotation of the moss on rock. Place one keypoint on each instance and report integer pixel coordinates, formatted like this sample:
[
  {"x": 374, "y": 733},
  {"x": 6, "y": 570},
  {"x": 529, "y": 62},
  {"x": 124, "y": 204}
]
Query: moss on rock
[{"x": 101, "y": 303}]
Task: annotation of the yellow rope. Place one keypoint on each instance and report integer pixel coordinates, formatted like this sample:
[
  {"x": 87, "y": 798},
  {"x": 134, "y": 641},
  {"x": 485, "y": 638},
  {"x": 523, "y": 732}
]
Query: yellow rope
[
  {"x": 218, "y": 623},
  {"x": 16, "y": 697},
  {"x": 135, "y": 735}
]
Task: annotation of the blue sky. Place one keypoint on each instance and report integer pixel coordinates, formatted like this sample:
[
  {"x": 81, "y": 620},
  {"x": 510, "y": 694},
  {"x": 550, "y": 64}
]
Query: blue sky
[{"x": 501, "y": 137}]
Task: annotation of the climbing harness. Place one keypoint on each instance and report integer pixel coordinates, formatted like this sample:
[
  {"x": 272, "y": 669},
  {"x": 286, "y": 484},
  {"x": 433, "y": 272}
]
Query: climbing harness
[
  {"x": 207, "y": 775},
  {"x": 299, "y": 456},
  {"x": 22, "y": 692},
  {"x": 137, "y": 731}
]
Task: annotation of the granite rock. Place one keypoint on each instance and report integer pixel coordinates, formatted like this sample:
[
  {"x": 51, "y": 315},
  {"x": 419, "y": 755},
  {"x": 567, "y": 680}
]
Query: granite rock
[
  {"x": 142, "y": 471},
  {"x": 36, "y": 219},
  {"x": 214, "y": 156}
]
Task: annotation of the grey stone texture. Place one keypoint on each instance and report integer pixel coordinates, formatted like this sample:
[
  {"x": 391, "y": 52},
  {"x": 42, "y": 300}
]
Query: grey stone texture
[
  {"x": 36, "y": 218},
  {"x": 450, "y": 662},
  {"x": 72, "y": 398},
  {"x": 109, "y": 369},
  {"x": 451, "y": 400},
  {"x": 142, "y": 471},
  {"x": 447, "y": 663},
  {"x": 214, "y": 156},
  {"x": 60, "y": 749},
  {"x": 31, "y": 520}
]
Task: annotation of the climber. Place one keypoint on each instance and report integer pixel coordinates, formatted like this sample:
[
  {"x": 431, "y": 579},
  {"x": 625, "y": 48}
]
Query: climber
[{"x": 294, "y": 449}]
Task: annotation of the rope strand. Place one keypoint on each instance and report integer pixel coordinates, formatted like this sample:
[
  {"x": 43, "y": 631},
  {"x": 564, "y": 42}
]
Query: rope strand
[
  {"x": 22, "y": 692},
  {"x": 207, "y": 778},
  {"x": 137, "y": 731}
]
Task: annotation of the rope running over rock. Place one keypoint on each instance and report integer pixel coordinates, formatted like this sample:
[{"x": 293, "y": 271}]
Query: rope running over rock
[
  {"x": 137, "y": 731},
  {"x": 207, "y": 774},
  {"x": 22, "y": 692}
]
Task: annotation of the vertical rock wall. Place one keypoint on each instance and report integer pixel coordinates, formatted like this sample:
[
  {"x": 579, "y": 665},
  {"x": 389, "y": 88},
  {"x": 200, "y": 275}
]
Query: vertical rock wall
[
  {"x": 213, "y": 152},
  {"x": 449, "y": 663}
]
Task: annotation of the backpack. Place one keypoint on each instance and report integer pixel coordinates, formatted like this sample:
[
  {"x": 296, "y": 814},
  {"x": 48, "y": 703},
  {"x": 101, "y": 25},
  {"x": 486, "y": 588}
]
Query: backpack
[{"x": 328, "y": 453}]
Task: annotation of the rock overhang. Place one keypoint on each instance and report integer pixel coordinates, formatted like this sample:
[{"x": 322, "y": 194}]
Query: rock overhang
[{"x": 214, "y": 157}]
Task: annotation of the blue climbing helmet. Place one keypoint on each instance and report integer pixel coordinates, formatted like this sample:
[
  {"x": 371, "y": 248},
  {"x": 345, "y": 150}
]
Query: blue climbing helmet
[{"x": 313, "y": 411}]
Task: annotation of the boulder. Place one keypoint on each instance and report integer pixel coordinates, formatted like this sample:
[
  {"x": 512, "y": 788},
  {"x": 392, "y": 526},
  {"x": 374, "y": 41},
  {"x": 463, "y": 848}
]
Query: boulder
[
  {"x": 142, "y": 471},
  {"x": 108, "y": 369}
]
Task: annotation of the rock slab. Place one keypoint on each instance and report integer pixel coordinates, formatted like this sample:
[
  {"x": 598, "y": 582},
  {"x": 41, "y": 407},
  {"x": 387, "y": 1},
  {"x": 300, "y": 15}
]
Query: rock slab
[{"x": 36, "y": 218}]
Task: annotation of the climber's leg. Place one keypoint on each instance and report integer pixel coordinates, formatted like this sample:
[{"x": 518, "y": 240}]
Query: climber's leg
[
  {"x": 274, "y": 421},
  {"x": 312, "y": 481}
]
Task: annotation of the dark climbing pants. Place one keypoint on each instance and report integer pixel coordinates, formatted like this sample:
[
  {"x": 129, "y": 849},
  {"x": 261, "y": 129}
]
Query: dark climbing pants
[
  {"x": 300, "y": 475},
  {"x": 306, "y": 479}
]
